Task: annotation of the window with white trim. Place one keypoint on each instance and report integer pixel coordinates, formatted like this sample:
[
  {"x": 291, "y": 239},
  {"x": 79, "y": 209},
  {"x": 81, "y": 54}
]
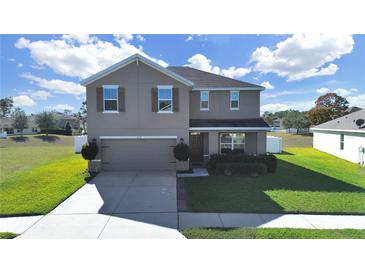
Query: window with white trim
[
  {"x": 110, "y": 98},
  {"x": 232, "y": 142},
  {"x": 204, "y": 100},
  {"x": 165, "y": 99},
  {"x": 234, "y": 100}
]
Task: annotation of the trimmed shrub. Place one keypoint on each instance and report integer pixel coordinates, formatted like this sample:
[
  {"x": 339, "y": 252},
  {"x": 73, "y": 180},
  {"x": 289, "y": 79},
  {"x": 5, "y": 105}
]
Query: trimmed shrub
[
  {"x": 269, "y": 160},
  {"x": 89, "y": 151},
  {"x": 252, "y": 169},
  {"x": 182, "y": 152}
]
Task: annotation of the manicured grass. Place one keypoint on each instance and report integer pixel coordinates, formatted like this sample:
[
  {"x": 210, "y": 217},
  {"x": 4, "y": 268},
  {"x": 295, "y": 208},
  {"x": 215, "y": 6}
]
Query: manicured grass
[
  {"x": 7, "y": 235},
  {"x": 38, "y": 174},
  {"x": 294, "y": 140},
  {"x": 272, "y": 233},
  {"x": 32, "y": 151},
  {"x": 306, "y": 181}
]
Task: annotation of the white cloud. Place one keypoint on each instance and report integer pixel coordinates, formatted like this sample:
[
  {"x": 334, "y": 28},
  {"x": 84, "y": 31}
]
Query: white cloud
[
  {"x": 189, "y": 38},
  {"x": 303, "y": 56},
  {"x": 140, "y": 38},
  {"x": 281, "y": 93},
  {"x": 20, "y": 65},
  {"x": 358, "y": 101},
  {"x": 57, "y": 86},
  {"x": 339, "y": 91},
  {"x": 23, "y": 101},
  {"x": 40, "y": 94},
  {"x": 273, "y": 107},
  {"x": 11, "y": 60},
  {"x": 61, "y": 107},
  {"x": 81, "y": 55},
  {"x": 199, "y": 61},
  {"x": 267, "y": 85},
  {"x": 234, "y": 72},
  {"x": 299, "y": 105}
]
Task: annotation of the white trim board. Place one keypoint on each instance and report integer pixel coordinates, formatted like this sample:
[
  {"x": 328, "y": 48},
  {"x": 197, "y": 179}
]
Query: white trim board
[
  {"x": 230, "y": 128},
  {"x": 136, "y": 57},
  {"x": 339, "y": 130},
  {"x": 137, "y": 137}
]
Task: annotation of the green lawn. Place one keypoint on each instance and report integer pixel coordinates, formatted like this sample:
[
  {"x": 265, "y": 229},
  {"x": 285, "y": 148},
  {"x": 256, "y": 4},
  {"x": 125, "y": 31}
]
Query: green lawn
[
  {"x": 7, "y": 235},
  {"x": 272, "y": 233},
  {"x": 38, "y": 174},
  {"x": 306, "y": 181},
  {"x": 294, "y": 140}
]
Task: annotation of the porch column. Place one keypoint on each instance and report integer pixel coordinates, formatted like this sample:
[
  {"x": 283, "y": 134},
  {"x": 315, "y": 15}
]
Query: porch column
[{"x": 213, "y": 142}]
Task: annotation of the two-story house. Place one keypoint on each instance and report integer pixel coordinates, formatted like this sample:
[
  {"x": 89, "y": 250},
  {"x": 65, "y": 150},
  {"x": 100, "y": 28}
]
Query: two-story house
[{"x": 138, "y": 111}]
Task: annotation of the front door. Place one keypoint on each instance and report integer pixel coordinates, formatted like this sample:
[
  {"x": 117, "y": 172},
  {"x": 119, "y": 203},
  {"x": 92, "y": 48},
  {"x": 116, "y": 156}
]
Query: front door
[{"x": 196, "y": 148}]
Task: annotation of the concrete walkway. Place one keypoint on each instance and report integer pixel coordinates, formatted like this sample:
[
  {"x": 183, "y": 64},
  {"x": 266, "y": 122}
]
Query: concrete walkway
[{"x": 230, "y": 220}]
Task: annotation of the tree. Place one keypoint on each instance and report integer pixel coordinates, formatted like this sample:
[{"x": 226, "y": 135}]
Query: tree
[
  {"x": 67, "y": 112},
  {"x": 20, "y": 120},
  {"x": 45, "y": 120},
  {"x": 328, "y": 107},
  {"x": 6, "y": 105},
  {"x": 81, "y": 115},
  {"x": 68, "y": 128},
  {"x": 296, "y": 119}
]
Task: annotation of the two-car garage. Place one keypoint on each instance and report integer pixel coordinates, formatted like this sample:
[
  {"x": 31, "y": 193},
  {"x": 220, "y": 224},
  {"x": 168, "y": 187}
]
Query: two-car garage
[{"x": 138, "y": 153}]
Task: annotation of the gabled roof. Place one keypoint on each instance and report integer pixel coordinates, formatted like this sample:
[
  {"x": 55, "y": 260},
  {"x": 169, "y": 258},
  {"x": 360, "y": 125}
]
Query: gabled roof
[
  {"x": 210, "y": 81},
  {"x": 197, "y": 79},
  {"x": 139, "y": 58},
  {"x": 345, "y": 123}
]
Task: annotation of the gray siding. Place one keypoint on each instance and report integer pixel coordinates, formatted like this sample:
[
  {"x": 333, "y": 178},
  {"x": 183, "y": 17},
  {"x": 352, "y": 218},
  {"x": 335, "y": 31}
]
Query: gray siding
[
  {"x": 219, "y": 105},
  {"x": 138, "y": 119}
]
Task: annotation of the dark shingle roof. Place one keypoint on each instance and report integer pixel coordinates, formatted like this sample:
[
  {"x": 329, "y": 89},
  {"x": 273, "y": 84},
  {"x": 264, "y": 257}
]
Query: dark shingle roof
[
  {"x": 202, "y": 79},
  {"x": 347, "y": 122},
  {"x": 254, "y": 122}
]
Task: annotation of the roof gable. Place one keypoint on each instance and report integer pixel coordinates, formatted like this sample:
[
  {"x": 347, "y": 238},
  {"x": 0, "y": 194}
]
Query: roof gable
[
  {"x": 129, "y": 60},
  {"x": 347, "y": 122}
]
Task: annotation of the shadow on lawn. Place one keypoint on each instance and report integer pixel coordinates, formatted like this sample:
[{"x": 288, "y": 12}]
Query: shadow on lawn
[
  {"x": 246, "y": 194},
  {"x": 19, "y": 139},
  {"x": 50, "y": 139}
]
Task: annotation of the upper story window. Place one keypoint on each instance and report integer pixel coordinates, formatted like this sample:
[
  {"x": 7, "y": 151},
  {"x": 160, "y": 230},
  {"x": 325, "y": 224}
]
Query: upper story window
[
  {"x": 110, "y": 98},
  {"x": 165, "y": 99},
  {"x": 204, "y": 100},
  {"x": 342, "y": 142},
  {"x": 234, "y": 100}
]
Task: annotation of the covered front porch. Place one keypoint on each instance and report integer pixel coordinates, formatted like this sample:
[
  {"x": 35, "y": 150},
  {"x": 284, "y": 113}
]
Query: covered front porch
[{"x": 206, "y": 142}]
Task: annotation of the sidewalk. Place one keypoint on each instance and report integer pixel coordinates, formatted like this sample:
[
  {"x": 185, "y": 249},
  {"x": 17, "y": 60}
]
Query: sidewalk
[
  {"x": 231, "y": 220},
  {"x": 190, "y": 220}
]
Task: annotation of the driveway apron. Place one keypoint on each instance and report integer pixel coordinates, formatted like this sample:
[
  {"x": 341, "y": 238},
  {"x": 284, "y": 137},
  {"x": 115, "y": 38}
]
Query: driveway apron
[{"x": 139, "y": 204}]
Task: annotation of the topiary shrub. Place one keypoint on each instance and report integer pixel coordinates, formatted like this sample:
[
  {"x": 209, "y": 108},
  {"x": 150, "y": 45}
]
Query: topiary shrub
[
  {"x": 89, "y": 151},
  {"x": 182, "y": 152},
  {"x": 68, "y": 129}
]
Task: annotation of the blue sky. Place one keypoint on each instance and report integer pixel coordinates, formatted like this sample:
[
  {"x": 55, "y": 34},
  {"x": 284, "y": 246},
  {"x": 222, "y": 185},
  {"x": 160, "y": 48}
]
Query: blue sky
[{"x": 43, "y": 71}]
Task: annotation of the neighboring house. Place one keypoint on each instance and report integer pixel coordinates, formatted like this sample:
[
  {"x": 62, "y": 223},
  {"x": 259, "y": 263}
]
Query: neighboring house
[
  {"x": 6, "y": 125},
  {"x": 61, "y": 120},
  {"x": 343, "y": 137},
  {"x": 138, "y": 111},
  {"x": 277, "y": 123}
]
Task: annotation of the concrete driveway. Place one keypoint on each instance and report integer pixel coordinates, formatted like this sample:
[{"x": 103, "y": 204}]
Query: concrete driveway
[{"x": 115, "y": 205}]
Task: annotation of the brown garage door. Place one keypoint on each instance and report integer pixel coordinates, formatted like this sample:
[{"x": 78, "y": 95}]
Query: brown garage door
[{"x": 142, "y": 154}]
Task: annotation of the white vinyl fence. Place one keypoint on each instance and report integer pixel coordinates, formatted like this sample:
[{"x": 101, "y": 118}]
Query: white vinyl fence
[
  {"x": 79, "y": 141},
  {"x": 273, "y": 144}
]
